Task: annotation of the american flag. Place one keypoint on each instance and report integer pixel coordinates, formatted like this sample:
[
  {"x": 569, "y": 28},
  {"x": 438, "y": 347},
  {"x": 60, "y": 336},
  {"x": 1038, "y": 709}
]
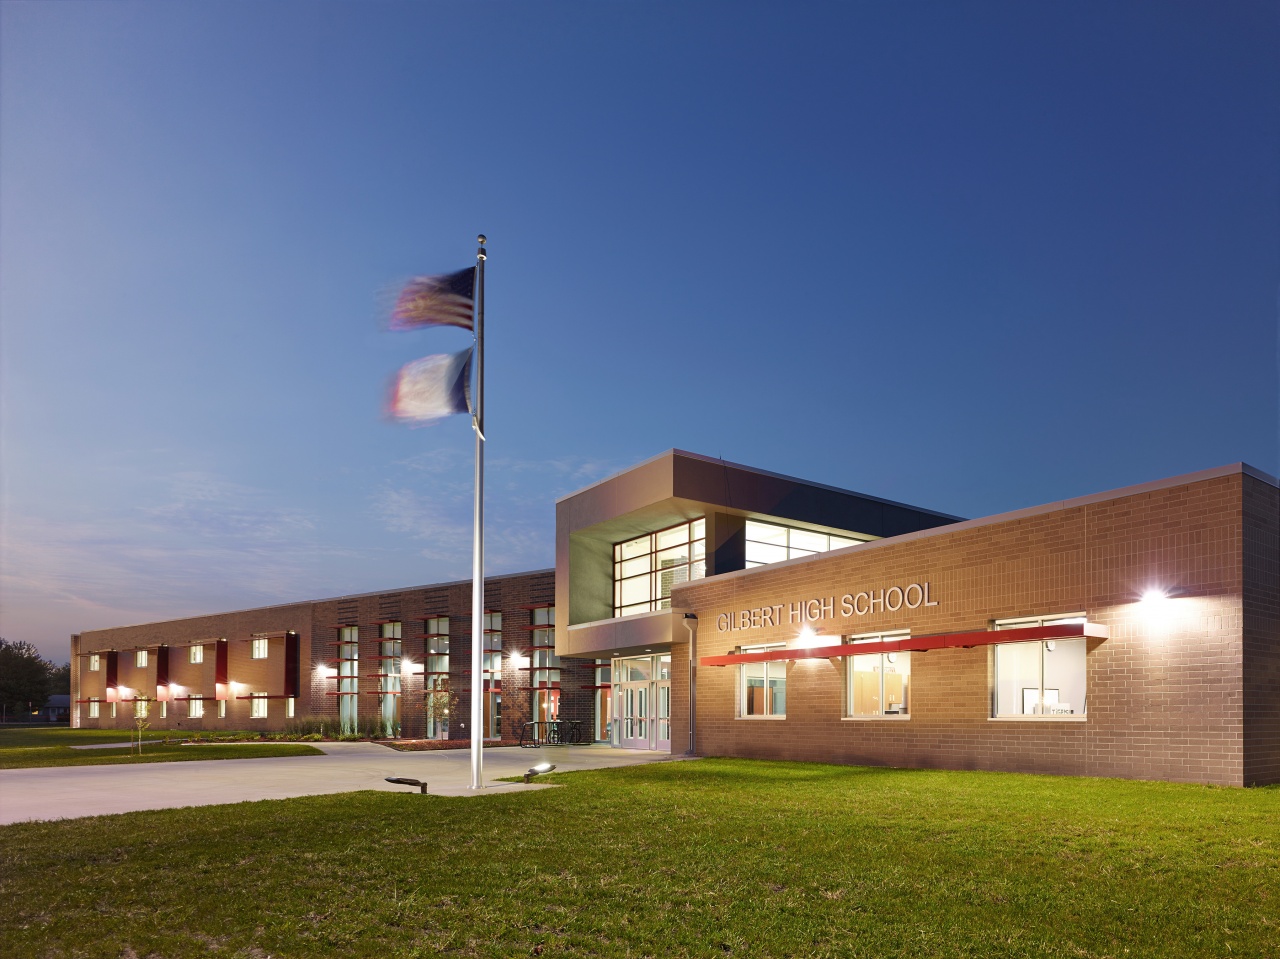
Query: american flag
[{"x": 436, "y": 301}]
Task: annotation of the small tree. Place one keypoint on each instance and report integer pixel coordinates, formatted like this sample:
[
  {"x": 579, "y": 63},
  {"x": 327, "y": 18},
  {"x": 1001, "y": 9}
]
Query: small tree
[{"x": 140, "y": 720}]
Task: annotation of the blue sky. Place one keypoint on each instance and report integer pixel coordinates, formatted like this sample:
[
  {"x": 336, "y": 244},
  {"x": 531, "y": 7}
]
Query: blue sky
[{"x": 973, "y": 256}]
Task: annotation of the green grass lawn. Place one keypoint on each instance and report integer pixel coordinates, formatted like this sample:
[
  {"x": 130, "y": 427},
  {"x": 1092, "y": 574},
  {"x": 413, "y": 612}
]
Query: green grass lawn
[
  {"x": 709, "y": 858},
  {"x": 28, "y": 748}
]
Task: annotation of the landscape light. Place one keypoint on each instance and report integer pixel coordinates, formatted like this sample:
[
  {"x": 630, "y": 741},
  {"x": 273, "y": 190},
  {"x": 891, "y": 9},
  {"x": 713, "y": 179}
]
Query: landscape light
[{"x": 538, "y": 770}]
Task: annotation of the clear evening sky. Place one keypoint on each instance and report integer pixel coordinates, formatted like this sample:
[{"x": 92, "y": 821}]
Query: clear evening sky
[{"x": 971, "y": 256}]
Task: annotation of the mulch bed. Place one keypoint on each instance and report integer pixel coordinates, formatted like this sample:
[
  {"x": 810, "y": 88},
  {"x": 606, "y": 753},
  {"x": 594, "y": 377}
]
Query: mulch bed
[{"x": 423, "y": 745}]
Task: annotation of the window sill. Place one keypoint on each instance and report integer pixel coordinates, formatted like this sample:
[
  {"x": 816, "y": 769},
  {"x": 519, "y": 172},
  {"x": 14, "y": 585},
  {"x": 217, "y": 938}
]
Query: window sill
[
  {"x": 757, "y": 719},
  {"x": 1037, "y": 719},
  {"x": 899, "y": 718}
]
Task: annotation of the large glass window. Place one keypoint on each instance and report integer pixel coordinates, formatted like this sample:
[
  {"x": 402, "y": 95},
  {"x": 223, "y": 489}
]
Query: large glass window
[
  {"x": 435, "y": 678},
  {"x": 645, "y": 568},
  {"x": 349, "y": 679},
  {"x": 763, "y": 689},
  {"x": 493, "y": 675},
  {"x": 257, "y": 705},
  {"x": 390, "y": 652},
  {"x": 879, "y": 683},
  {"x": 140, "y": 659},
  {"x": 195, "y": 708},
  {"x": 196, "y": 654},
  {"x": 771, "y": 543},
  {"x": 258, "y": 648},
  {"x": 545, "y": 679},
  {"x": 1042, "y": 678},
  {"x": 95, "y": 662},
  {"x": 93, "y": 709},
  {"x": 140, "y": 708}
]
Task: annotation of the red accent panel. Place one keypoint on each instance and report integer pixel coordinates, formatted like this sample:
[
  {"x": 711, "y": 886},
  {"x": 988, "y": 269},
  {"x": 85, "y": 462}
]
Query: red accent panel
[
  {"x": 162, "y": 666},
  {"x": 292, "y": 664},
  {"x": 917, "y": 644}
]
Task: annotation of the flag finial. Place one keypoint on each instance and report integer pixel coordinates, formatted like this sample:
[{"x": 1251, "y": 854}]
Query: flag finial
[{"x": 481, "y": 239}]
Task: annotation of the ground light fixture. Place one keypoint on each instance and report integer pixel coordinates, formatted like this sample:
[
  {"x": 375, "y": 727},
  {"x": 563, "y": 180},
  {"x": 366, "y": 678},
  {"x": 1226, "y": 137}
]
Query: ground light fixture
[
  {"x": 538, "y": 770},
  {"x": 403, "y": 781}
]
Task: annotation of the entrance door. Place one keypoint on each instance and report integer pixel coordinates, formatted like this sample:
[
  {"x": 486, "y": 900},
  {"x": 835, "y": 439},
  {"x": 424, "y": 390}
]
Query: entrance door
[{"x": 642, "y": 702}]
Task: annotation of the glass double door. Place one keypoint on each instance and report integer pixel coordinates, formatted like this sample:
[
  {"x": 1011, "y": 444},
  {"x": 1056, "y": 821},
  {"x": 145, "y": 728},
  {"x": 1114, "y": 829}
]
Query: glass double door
[{"x": 642, "y": 702}]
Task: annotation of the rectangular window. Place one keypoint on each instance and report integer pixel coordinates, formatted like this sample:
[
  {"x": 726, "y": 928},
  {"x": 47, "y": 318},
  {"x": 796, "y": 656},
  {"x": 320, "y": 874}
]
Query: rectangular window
[
  {"x": 196, "y": 654},
  {"x": 545, "y": 676},
  {"x": 95, "y": 662},
  {"x": 1040, "y": 678},
  {"x": 140, "y": 659},
  {"x": 257, "y": 705},
  {"x": 771, "y": 543},
  {"x": 93, "y": 709},
  {"x": 222, "y": 709},
  {"x": 604, "y": 699},
  {"x": 259, "y": 648},
  {"x": 390, "y": 657},
  {"x": 763, "y": 686},
  {"x": 195, "y": 708},
  {"x": 492, "y": 667},
  {"x": 435, "y": 677},
  {"x": 140, "y": 708},
  {"x": 879, "y": 683},
  {"x": 289, "y": 707},
  {"x": 164, "y": 709},
  {"x": 348, "y": 678},
  {"x": 645, "y": 568},
  {"x": 113, "y": 710}
]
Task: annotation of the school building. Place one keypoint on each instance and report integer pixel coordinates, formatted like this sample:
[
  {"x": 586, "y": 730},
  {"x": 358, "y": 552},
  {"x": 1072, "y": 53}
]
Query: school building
[{"x": 707, "y": 607}]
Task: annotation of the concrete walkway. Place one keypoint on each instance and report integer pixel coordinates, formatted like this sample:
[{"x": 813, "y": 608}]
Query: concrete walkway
[{"x": 66, "y": 792}]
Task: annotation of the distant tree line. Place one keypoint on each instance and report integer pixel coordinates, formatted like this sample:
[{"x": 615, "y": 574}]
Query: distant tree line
[{"x": 26, "y": 677}]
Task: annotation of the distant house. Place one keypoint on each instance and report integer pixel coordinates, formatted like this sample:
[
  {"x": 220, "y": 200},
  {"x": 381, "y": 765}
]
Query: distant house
[{"x": 57, "y": 709}]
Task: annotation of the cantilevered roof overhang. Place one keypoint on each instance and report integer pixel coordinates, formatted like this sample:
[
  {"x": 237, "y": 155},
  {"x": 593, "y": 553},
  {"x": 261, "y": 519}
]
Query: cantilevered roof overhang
[{"x": 916, "y": 644}]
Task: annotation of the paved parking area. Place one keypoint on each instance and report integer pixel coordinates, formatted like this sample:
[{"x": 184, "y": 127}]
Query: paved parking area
[{"x": 71, "y": 791}]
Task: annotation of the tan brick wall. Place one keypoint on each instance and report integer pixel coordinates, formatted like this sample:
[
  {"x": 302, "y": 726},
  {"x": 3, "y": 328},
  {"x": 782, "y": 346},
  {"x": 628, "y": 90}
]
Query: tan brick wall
[{"x": 1164, "y": 701}]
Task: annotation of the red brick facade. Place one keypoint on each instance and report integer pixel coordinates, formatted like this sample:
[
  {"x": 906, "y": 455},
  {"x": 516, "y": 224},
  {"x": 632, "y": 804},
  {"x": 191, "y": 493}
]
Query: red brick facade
[
  {"x": 1191, "y": 697},
  {"x": 316, "y": 625}
]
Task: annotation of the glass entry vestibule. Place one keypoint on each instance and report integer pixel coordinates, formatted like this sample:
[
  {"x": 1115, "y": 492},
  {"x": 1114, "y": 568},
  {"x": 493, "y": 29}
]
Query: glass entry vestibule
[{"x": 642, "y": 702}]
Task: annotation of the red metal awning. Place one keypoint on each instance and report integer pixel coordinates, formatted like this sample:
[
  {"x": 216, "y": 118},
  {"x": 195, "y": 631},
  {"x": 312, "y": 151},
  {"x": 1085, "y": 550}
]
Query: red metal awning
[{"x": 917, "y": 644}]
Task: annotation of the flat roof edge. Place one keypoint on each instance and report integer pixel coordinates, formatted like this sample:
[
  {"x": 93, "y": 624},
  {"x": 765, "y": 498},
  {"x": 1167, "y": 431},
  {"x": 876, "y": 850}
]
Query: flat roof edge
[
  {"x": 1185, "y": 479},
  {"x": 312, "y": 602},
  {"x": 715, "y": 460}
]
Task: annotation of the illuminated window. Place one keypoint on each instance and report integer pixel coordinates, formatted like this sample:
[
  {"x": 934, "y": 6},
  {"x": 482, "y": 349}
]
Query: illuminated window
[
  {"x": 140, "y": 708},
  {"x": 604, "y": 699},
  {"x": 645, "y": 568},
  {"x": 93, "y": 709},
  {"x": 289, "y": 707},
  {"x": 113, "y": 710},
  {"x": 879, "y": 684},
  {"x": 545, "y": 678},
  {"x": 390, "y": 653},
  {"x": 195, "y": 708},
  {"x": 95, "y": 662},
  {"x": 763, "y": 688},
  {"x": 196, "y": 654},
  {"x": 222, "y": 709},
  {"x": 348, "y": 678},
  {"x": 435, "y": 677},
  {"x": 164, "y": 709},
  {"x": 492, "y": 710},
  {"x": 771, "y": 543},
  {"x": 140, "y": 659},
  {"x": 257, "y": 705},
  {"x": 1040, "y": 678},
  {"x": 259, "y": 648}
]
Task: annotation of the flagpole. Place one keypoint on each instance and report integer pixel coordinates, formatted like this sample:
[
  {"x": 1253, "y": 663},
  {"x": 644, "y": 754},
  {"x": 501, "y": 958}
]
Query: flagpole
[{"x": 477, "y": 554}]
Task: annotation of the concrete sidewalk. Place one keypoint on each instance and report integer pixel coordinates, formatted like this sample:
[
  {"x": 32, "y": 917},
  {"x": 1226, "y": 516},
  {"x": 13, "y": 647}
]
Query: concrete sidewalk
[{"x": 67, "y": 792}]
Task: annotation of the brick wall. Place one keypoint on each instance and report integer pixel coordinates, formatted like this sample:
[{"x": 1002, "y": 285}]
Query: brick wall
[
  {"x": 1261, "y": 631},
  {"x": 1165, "y": 693}
]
